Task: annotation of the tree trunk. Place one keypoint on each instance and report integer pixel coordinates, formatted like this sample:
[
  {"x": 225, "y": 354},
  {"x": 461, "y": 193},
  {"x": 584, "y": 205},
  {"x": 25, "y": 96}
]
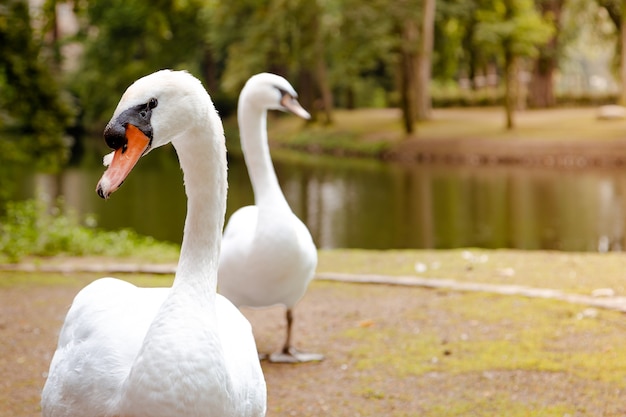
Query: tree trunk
[
  {"x": 622, "y": 97},
  {"x": 53, "y": 36},
  {"x": 209, "y": 71},
  {"x": 541, "y": 88},
  {"x": 350, "y": 103},
  {"x": 408, "y": 82},
  {"x": 424, "y": 60},
  {"x": 472, "y": 55},
  {"x": 321, "y": 75},
  {"x": 510, "y": 75},
  {"x": 306, "y": 92}
]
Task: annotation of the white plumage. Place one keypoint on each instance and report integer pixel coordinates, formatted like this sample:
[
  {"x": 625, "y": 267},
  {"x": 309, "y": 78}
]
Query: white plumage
[
  {"x": 268, "y": 256},
  {"x": 162, "y": 352}
]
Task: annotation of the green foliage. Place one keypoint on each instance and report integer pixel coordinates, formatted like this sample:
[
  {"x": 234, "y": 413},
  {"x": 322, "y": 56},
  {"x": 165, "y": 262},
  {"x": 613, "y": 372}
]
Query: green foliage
[
  {"x": 353, "y": 45},
  {"x": 127, "y": 39},
  {"x": 337, "y": 143},
  {"x": 353, "y": 25},
  {"x": 355, "y": 39},
  {"x": 355, "y": 133},
  {"x": 511, "y": 26},
  {"x": 454, "y": 22},
  {"x": 451, "y": 95},
  {"x": 255, "y": 36},
  {"x": 32, "y": 104},
  {"x": 29, "y": 229}
]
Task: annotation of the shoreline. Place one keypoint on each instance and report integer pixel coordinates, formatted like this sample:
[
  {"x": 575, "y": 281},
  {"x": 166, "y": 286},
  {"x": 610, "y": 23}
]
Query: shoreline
[
  {"x": 522, "y": 153},
  {"x": 562, "y": 138}
]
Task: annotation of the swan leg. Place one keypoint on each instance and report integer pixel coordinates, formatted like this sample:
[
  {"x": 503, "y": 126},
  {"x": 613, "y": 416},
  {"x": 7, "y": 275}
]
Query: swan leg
[{"x": 289, "y": 354}]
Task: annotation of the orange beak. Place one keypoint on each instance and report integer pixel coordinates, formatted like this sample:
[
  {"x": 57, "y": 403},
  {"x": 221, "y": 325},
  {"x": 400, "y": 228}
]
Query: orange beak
[
  {"x": 124, "y": 159},
  {"x": 292, "y": 104}
]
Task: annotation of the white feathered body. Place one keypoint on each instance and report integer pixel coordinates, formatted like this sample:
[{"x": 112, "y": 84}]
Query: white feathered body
[
  {"x": 271, "y": 265},
  {"x": 103, "y": 337}
]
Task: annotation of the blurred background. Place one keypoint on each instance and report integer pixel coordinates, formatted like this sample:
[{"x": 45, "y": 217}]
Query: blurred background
[{"x": 376, "y": 75}]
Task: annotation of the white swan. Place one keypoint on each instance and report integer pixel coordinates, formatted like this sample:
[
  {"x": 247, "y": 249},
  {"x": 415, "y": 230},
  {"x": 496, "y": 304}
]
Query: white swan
[
  {"x": 268, "y": 256},
  {"x": 161, "y": 352}
]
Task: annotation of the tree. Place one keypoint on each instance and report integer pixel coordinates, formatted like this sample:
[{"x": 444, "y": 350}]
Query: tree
[
  {"x": 617, "y": 13},
  {"x": 289, "y": 38},
  {"x": 361, "y": 51},
  {"x": 32, "y": 104},
  {"x": 314, "y": 62},
  {"x": 454, "y": 52},
  {"x": 622, "y": 96},
  {"x": 405, "y": 18},
  {"x": 127, "y": 39},
  {"x": 323, "y": 46},
  {"x": 511, "y": 30},
  {"x": 542, "y": 82},
  {"x": 408, "y": 73},
  {"x": 424, "y": 59}
]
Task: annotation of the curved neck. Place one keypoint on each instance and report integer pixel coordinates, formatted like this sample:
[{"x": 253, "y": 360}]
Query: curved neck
[
  {"x": 253, "y": 131},
  {"x": 203, "y": 162},
  {"x": 190, "y": 306}
]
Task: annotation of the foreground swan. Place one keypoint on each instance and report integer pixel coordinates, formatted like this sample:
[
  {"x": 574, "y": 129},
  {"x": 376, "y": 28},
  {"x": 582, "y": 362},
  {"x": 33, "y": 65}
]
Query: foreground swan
[
  {"x": 268, "y": 256},
  {"x": 161, "y": 352}
]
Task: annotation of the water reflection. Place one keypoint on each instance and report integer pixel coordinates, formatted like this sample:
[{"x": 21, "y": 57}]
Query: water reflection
[
  {"x": 450, "y": 207},
  {"x": 368, "y": 204}
]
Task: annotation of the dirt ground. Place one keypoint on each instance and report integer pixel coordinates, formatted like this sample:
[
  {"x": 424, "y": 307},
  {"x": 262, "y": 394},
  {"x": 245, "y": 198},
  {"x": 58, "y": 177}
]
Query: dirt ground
[
  {"x": 390, "y": 351},
  {"x": 564, "y": 138}
]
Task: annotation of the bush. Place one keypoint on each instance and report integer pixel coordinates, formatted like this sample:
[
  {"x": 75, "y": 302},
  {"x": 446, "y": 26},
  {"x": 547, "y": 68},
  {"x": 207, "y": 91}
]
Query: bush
[{"x": 30, "y": 229}]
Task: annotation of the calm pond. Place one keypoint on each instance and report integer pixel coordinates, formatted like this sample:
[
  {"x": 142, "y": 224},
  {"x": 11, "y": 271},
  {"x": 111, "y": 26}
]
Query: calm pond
[{"x": 349, "y": 203}]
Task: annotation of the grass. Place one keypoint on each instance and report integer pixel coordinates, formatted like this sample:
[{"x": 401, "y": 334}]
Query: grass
[
  {"x": 510, "y": 335},
  {"x": 571, "y": 272},
  {"x": 465, "y": 337},
  {"x": 484, "y": 355},
  {"x": 24, "y": 280},
  {"x": 375, "y": 132},
  {"x": 571, "y": 124},
  {"x": 498, "y": 404}
]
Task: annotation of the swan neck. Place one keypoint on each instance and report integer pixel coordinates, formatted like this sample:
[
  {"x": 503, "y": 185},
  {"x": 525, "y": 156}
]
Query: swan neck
[
  {"x": 256, "y": 152},
  {"x": 206, "y": 187}
]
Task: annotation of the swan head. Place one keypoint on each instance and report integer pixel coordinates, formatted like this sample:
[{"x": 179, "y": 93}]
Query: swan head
[
  {"x": 272, "y": 92},
  {"x": 152, "y": 112}
]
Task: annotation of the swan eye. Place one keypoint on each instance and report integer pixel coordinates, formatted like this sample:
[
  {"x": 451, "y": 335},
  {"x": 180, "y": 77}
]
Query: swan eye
[
  {"x": 149, "y": 106},
  {"x": 283, "y": 93}
]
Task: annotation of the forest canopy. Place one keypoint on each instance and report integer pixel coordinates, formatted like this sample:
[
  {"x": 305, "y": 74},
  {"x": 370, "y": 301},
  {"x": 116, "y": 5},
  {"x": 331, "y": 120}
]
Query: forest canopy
[{"x": 63, "y": 65}]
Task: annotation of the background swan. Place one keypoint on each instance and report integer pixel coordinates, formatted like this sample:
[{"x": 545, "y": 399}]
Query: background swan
[
  {"x": 268, "y": 256},
  {"x": 184, "y": 351}
]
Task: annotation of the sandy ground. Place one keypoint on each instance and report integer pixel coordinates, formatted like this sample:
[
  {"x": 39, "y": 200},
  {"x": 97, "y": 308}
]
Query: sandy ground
[{"x": 367, "y": 333}]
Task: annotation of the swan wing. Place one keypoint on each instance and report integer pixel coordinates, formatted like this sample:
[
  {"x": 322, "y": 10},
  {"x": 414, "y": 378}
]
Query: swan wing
[
  {"x": 268, "y": 258},
  {"x": 241, "y": 359},
  {"x": 238, "y": 232},
  {"x": 237, "y": 243},
  {"x": 102, "y": 333}
]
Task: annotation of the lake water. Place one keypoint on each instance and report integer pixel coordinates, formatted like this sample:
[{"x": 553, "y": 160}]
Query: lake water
[{"x": 349, "y": 203}]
